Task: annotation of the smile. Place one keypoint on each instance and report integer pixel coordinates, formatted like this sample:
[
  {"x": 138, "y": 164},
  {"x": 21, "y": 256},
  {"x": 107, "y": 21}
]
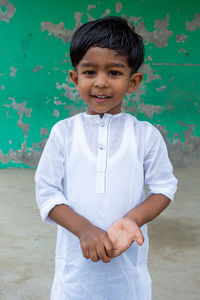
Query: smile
[{"x": 101, "y": 98}]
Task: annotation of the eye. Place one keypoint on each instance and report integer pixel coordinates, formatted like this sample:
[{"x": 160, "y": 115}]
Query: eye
[
  {"x": 89, "y": 72},
  {"x": 115, "y": 73}
]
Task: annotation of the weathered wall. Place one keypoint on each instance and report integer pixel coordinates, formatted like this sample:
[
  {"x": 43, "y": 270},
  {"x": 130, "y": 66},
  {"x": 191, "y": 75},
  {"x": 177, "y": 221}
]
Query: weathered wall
[{"x": 36, "y": 91}]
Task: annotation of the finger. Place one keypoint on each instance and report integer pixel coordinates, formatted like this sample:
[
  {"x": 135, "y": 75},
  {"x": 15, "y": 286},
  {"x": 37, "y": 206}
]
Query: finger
[
  {"x": 86, "y": 254},
  {"x": 109, "y": 247},
  {"x": 112, "y": 236},
  {"x": 139, "y": 238},
  {"x": 93, "y": 255},
  {"x": 101, "y": 251}
]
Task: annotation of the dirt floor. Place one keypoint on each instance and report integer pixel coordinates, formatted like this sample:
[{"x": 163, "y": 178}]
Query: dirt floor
[{"x": 27, "y": 245}]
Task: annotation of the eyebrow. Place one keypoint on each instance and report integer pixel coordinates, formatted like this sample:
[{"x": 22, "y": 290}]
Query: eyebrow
[{"x": 112, "y": 64}]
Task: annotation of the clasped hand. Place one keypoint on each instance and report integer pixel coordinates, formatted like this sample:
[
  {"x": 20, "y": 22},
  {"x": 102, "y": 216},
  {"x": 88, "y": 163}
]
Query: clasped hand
[{"x": 97, "y": 244}]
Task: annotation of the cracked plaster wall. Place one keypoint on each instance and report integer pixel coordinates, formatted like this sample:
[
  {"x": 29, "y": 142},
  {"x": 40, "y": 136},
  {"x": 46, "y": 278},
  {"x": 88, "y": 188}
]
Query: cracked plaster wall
[{"x": 36, "y": 91}]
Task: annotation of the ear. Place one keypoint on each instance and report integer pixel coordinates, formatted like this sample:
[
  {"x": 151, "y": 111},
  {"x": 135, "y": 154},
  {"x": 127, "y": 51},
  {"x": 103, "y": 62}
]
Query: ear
[
  {"x": 74, "y": 77},
  {"x": 135, "y": 80}
]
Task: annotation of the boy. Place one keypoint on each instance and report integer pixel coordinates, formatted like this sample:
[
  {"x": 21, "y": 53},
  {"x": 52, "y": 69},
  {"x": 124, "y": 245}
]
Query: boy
[{"x": 92, "y": 173}]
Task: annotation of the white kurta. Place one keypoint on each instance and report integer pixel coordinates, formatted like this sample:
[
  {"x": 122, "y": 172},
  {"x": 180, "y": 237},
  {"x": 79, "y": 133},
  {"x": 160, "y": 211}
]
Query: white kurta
[{"x": 99, "y": 167}]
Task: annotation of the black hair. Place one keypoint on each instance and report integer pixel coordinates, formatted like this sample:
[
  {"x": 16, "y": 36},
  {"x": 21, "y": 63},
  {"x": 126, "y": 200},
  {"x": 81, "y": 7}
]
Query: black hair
[{"x": 115, "y": 33}]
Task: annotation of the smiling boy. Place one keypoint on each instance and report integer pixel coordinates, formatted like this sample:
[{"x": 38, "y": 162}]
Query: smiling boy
[
  {"x": 103, "y": 79},
  {"x": 92, "y": 174}
]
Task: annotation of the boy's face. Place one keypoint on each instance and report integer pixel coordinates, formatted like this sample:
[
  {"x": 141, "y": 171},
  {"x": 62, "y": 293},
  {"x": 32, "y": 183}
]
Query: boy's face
[{"x": 103, "y": 79}]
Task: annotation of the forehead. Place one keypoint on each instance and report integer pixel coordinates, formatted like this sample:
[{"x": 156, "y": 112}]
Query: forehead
[{"x": 97, "y": 56}]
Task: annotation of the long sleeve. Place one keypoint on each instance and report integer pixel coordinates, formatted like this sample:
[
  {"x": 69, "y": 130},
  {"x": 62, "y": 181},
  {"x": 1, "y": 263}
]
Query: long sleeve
[
  {"x": 49, "y": 176},
  {"x": 158, "y": 168}
]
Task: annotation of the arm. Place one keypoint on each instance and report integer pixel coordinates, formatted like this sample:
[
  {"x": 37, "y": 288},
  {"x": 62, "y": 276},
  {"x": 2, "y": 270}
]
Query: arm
[
  {"x": 162, "y": 186},
  {"x": 95, "y": 243},
  {"x": 54, "y": 205},
  {"x": 149, "y": 209},
  {"x": 127, "y": 229}
]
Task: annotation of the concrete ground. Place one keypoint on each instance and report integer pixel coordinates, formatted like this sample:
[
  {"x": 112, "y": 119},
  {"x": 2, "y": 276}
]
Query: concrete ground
[{"x": 27, "y": 246}]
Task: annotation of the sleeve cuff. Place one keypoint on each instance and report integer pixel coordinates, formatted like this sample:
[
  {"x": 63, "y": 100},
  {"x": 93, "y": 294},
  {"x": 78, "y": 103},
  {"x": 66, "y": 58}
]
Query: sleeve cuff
[
  {"x": 44, "y": 211},
  {"x": 163, "y": 192}
]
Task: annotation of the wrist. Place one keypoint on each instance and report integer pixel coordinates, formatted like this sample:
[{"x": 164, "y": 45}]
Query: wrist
[
  {"x": 84, "y": 227},
  {"x": 132, "y": 216}
]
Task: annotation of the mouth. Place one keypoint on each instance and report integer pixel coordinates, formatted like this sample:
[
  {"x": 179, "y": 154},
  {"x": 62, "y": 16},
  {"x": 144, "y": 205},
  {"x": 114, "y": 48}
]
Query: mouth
[{"x": 101, "y": 98}]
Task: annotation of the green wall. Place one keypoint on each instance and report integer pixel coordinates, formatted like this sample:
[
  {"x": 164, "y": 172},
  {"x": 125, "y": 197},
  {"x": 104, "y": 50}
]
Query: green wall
[{"x": 35, "y": 90}]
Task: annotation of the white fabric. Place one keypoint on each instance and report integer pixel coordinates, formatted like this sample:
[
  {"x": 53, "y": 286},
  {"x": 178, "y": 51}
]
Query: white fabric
[{"x": 99, "y": 167}]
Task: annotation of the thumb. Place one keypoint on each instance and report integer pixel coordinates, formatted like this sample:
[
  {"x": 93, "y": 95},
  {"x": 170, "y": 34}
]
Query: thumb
[
  {"x": 112, "y": 236},
  {"x": 139, "y": 238}
]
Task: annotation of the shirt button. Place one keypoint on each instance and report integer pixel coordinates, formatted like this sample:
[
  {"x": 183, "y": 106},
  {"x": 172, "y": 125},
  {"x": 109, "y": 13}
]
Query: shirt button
[
  {"x": 101, "y": 147},
  {"x": 101, "y": 124}
]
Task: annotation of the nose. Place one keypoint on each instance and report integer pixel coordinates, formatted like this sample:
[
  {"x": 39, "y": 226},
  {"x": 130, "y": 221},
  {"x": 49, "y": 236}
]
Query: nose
[{"x": 101, "y": 80}]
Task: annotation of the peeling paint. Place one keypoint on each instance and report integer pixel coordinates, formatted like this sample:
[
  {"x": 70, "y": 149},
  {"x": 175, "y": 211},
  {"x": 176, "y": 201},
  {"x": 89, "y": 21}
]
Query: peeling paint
[
  {"x": 90, "y": 18},
  {"x": 134, "y": 19},
  {"x": 14, "y": 70},
  {"x": 37, "y": 69},
  {"x": 118, "y": 6},
  {"x": 146, "y": 69},
  {"x": 182, "y": 51},
  {"x": 161, "y": 88},
  {"x": 107, "y": 12},
  {"x": 160, "y": 36},
  {"x": 24, "y": 126},
  {"x": 149, "y": 110},
  {"x": 8, "y": 13},
  {"x": 56, "y": 113},
  {"x": 44, "y": 132},
  {"x": 58, "y": 102},
  {"x": 195, "y": 24},
  {"x": 59, "y": 31},
  {"x": 91, "y": 7},
  {"x": 21, "y": 110},
  {"x": 70, "y": 91},
  {"x": 30, "y": 156},
  {"x": 182, "y": 153},
  {"x": 181, "y": 38}
]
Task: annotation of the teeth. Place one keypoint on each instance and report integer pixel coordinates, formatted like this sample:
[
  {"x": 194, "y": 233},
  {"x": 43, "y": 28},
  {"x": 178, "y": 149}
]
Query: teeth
[{"x": 101, "y": 97}]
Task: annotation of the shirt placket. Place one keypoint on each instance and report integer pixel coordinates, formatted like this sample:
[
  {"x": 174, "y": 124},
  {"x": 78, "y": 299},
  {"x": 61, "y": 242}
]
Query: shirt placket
[{"x": 102, "y": 156}]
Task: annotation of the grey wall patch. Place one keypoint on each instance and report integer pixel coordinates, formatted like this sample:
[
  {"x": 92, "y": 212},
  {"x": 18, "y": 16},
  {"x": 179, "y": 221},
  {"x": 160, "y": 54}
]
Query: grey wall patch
[
  {"x": 107, "y": 12},
  {"x": 8, "y": 13},
  {"x": 159, "y": 36},
  {"x": 146, "y": 68},
  {"x": 90, "y": 7},
  {"x": 37, "y": 69},
  {"x": 118, "y": 6},
  {"x": 44, "y": 131},
  {"x": 90, "y": 18},
  {"x": 70, "y": 91},
  {"x": 29, "y": 157},
  {"x": 182, "y": 153},
  {"x": 13, "y": 72},
  {"x": 134, "y": 19},
  {"x": 181, "y": 38},
  {"x": 161, "y": 88},
  {"x": 195, "y": 24},
  {"x": 56, "y": 113},
  {"x": 149, "y": 110},
  {"x": 182, "y": 51},
  {"x": 59, "y": 31},
  {"x": 21, "y": 110}
]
